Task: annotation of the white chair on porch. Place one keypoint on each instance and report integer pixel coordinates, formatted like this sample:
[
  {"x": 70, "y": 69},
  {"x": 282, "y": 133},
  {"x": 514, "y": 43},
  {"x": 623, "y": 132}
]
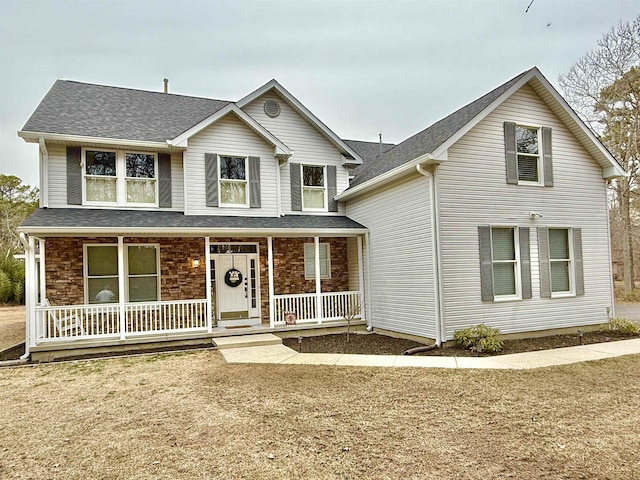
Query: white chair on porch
[{"x": 66, "y": 325}]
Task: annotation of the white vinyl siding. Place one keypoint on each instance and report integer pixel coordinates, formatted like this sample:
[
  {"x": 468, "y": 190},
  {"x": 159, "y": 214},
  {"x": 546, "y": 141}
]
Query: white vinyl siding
[
  {"x": 310, "y": 146},
  {"x": 229, "y": 136},
  {"x": 473, "y": 192},
  {"x": 57, "y": 181},
  {"x": 400, "y": 256}
]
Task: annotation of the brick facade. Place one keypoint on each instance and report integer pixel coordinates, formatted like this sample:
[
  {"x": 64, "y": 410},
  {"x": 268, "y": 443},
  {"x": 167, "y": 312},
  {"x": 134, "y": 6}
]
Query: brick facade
[{"x": 179, "y": 280}]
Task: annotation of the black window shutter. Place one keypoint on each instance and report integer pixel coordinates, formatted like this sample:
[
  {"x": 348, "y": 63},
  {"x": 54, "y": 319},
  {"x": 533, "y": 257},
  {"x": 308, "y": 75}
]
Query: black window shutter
[
  {"x": 577, "y": 260},
  {"x": 254, "y": 182},
  {"x": 164, "y": 180},
  {"x": 547, "y": 157},
  {"x": 545, "y": 267},
  {"x": 525, "y": 262},
  {"x": 296, "y": 191},
  {"x": 332, "y": 187},
  {"x": 486, "y": 263},
  {"x": 211, "y": 178},
  {"x": 511, "y": 158},
  {"x": 74, "y": 175}
]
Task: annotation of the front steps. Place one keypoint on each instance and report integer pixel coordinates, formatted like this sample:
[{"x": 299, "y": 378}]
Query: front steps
[{"x": 242, "y": 341}]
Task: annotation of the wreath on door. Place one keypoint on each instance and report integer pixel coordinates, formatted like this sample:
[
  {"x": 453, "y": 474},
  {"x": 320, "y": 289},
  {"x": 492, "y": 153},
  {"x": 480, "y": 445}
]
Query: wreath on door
[{"x": 233, "y": 277}]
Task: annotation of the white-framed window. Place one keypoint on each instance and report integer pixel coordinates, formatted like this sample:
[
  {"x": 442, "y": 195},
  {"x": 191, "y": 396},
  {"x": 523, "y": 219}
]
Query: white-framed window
[
  {"x": 314, "y": 187},
  {"x": 529, "y": 157},
  {"x": 142, "y": 272},
  {"x": 561, "y": 261},
  {"x": 120, "y": 177},
  {"x": 310, "y": 261},
  {"x": 505, "y": 255},
  {"x": 233, "y": 189}
]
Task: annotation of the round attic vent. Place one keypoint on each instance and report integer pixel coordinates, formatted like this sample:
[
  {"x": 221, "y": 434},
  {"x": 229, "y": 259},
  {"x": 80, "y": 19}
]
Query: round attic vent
[{"x": 272, "y": 108}]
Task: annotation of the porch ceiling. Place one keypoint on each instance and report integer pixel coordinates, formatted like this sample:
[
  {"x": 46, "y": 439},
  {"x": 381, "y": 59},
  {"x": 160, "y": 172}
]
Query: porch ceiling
[{"x": 86, "y": 221}]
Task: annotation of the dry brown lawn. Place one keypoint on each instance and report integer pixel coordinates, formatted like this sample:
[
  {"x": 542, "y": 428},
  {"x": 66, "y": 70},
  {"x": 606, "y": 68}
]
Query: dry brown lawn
[
  {"x": 12, "y": 325},
  {"x": 192, "y": 416}
]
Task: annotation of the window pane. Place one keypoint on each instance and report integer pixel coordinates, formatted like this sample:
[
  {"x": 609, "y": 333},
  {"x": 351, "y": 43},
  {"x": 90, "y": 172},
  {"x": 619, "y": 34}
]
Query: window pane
[
  {"x": 100, "y": 163},
  {"x": 141, "y": 191},
  {"x": 560, "y": 276},
  {"x": 312, "y": 176},
  {"x": 232, "y": 168},
  {"x": 313, "y": 198},
  {"x": 143, "y": 289},
  {"x": 527, "y": 168},
  {"x": 504, "y": 279},
  {"x": 233, "y": 192},
  {"x": 140, "y": 165},
  {"x": 101, "y": 189},
  {"x": 527, "y": 140},
  {"x": 102, "y": 260},
  {"x": 503, "y": 244},
  {"x": 102, "y": 290},
  {"x": 310, "y": 262},
  {"x": 142, "y": 260},
  {"x": 558, "y": 243}
]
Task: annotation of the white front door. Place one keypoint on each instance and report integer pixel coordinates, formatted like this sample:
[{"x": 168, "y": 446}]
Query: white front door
[{"x": 233, "y": 286}]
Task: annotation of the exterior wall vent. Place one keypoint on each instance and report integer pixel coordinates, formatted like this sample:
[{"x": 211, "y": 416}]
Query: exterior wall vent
[{"x": 272, "y": 108}]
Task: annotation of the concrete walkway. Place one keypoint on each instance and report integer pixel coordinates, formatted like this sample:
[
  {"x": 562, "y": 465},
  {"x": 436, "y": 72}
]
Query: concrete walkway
[{"x": 543, "y": 358}]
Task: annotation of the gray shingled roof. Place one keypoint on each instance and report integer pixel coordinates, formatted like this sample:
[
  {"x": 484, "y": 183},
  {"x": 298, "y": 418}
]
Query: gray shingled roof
[
  {"x": 368, "y": 150},
  {"x": 63, "y": 218},
  {"x": 431, "y": 138},
  {"x": 75, "y": 108}
]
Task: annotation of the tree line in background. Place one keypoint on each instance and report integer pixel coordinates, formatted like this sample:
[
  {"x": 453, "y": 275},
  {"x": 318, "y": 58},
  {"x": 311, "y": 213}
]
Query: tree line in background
[
  {"x": 17, "y": 201},
  {"x": 603, "y": 87}
]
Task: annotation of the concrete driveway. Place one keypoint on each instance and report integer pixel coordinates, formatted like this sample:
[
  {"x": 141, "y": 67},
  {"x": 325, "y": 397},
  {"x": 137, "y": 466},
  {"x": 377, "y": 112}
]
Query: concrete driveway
[{"x": 630, "y": 311}]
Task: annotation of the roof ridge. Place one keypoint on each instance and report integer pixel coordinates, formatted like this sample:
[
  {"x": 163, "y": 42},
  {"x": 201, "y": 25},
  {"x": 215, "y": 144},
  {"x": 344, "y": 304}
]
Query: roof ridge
[
  {"x": 442, "y": 120},
  {"x": 142, "y": 90}
]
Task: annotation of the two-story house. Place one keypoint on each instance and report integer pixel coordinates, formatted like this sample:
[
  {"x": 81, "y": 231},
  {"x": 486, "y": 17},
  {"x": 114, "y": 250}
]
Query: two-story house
[{"x": 173, "y": 218}]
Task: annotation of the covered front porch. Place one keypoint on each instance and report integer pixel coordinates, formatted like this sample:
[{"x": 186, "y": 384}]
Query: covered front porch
[{"x": 122, "y": 290}]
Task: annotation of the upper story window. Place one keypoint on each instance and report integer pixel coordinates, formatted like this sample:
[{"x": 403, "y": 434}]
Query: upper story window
[
  {"x": 314, "y": 187},
  {"x": 528, "y": 155},
  {"x": 120, "y": 178},
  {"x": 527, "y": 146},
  {"x": 233, "y": 181}
]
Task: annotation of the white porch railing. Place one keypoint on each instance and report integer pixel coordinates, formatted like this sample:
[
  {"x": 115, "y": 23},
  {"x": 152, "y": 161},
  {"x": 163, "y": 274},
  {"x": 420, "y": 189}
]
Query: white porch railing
[
  {"x": 103, "y": 320},
  {"x": 335, "y": 305}
]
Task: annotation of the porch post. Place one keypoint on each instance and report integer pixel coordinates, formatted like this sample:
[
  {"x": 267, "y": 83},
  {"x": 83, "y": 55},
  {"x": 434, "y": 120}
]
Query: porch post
[
  {"x": 43, "y": 288},
  {"x": 121, "y": 289},
  {"x": 361, "y": 275},
  {"x": 271, "y": 289},
  {"x": 207, "y": 269},
  {"x": 316, "y": 241},
  {"x": 31, "y": 294}
]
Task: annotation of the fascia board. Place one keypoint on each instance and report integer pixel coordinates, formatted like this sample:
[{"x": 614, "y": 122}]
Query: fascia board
[
  {"x": 387, "y": 177},
  {"x": 196, "y": 231},
  {"x": 281, "y": 148},
  {"x": 304, "y": 110},
  {"x": 613, "y": 163},
  {"x": 34, "y": 137}
]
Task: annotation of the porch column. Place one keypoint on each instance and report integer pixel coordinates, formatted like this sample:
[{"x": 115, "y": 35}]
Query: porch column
[
  {"x": 271, "y": 289},
  {"x": 207, "y": 269},
  {"x": 31, "y": 294},
  {"x": 43, "y": 287},
  {"x": 361, "y": 276},
  {"x": 316, "y": 241},
  {"x": 121, "y": 288}
]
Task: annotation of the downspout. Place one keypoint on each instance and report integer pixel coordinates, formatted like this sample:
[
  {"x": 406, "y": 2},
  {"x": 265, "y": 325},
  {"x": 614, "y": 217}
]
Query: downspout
[
  {"x": 435, "y": 235},
  {"x": 27, "y": 271},
  {"x": 612, "y": 310},
  {"x": 279, "y": 198},
  {"x": 44, "y": 174}
]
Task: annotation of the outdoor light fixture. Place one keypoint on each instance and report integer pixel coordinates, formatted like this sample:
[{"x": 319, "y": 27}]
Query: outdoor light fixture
[
  {"x": 196, "y": 262},
  {"x": 534, "y": 215}
]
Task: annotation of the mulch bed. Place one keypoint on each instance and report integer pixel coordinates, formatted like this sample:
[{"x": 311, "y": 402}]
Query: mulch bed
[
  {"x": 374, "y": 344},
  {"x": 12, "y": 353}
]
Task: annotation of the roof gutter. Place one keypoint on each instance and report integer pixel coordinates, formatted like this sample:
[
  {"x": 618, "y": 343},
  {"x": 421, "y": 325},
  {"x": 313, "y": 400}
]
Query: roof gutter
[
  {"x": 402, "y": 170},
  {"x": 36, "y": 137},
  {"x": 196, "y": 231}
]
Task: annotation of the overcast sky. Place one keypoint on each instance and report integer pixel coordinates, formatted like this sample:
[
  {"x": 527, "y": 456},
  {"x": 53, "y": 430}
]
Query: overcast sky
[{"x": 362, "y": 67}]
